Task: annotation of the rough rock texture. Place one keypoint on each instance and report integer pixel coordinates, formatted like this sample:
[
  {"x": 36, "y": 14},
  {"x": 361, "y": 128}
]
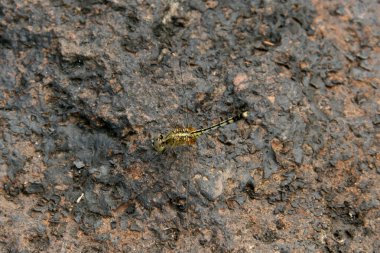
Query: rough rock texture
[{"x": 85, "y": 85}]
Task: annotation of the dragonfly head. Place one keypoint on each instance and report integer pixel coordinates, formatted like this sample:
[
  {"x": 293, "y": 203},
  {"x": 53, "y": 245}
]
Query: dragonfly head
[{"x": 158, "y": 144}]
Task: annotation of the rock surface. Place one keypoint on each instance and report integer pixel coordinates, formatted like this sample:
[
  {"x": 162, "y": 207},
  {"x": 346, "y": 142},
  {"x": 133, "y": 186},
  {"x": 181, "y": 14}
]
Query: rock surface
[{"x": 85, "y": 85}]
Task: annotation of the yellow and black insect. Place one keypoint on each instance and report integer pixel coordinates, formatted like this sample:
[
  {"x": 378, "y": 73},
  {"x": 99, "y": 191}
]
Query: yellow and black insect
[{"x": 188, "y": 135}]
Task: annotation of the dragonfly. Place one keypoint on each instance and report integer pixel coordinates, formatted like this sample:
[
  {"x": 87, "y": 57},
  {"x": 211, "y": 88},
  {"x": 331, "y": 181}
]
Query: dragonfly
[{"x": 187, "y": 136}]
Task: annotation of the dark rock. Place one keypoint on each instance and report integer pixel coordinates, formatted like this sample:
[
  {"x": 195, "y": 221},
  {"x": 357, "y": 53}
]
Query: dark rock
[
  {"x": 33, "y": 188},
  {"x": 113, "y": 224},
  {"x": 16, "y": 162},
  {"x": 269, "y": 163}
]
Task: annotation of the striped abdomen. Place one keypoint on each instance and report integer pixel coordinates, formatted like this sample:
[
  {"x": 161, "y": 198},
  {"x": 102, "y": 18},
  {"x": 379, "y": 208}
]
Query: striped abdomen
[{"x": 228, "y": 121}]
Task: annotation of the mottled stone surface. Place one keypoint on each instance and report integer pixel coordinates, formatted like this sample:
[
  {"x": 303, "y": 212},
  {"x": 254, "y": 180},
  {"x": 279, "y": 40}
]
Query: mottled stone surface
[{"x": 85, "y": 85}]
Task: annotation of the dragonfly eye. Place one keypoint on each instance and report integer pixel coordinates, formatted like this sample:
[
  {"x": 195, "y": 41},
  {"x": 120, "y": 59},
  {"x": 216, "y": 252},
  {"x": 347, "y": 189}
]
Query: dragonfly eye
[{"x": 156, "y": 141}]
